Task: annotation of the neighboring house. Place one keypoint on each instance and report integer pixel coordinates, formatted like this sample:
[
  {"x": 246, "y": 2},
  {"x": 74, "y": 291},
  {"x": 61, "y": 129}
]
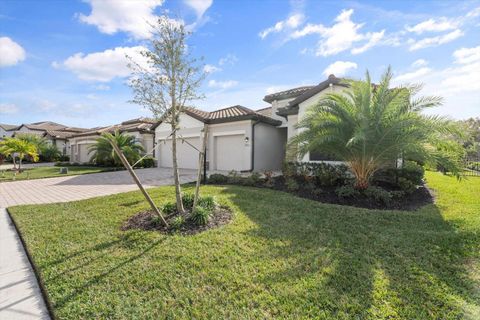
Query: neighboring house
[
  {"x": 140, "y": 128},
  {"x": 242, "y": 139},
  {"x": 55, "y": 133},
  {"x": 6, "y": 130}
]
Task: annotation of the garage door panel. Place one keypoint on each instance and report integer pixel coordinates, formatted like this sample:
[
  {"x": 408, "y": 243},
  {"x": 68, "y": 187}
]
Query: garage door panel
[
  {"x": 187, "y": 156},
  {"x": 229, "y": 152}
]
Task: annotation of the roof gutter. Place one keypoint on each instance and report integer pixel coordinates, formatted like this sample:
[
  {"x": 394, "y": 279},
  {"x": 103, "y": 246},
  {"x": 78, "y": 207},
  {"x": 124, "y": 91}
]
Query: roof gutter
[{"x": 252, "y": 161}]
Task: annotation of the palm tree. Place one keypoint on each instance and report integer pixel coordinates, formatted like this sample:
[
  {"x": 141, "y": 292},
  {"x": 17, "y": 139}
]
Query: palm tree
[
  {"x": 20, "y": 148},
  {"x": 39, "y": 141},
  {"x": 103, "y": 151},
  {"x": 371, "y": 126}
]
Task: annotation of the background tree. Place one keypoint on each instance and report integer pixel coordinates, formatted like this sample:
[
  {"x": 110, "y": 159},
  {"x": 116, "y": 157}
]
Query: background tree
[
  {"x": 20, "y": 148},
  {"x": 35, "y": 139},
  {"x": 371, "y": 126},
  {"x": 103, "y": 152},
  {"x": 168, "y": 82}
]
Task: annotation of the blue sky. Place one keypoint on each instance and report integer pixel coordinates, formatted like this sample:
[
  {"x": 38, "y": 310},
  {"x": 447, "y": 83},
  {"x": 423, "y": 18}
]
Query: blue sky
[{"x": 64, "y": 60}]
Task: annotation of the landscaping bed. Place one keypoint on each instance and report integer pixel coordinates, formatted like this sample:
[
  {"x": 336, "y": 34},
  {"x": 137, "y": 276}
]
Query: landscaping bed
[{"x": 400, "y": 189}]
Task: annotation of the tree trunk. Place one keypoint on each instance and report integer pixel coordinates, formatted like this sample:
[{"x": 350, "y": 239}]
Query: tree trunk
[
  {"x": 20, "y": 164},
  {"x": 176, "y": 178},
  {"x": 14, "y": 163},
  {"x": 201, "y": 157}
]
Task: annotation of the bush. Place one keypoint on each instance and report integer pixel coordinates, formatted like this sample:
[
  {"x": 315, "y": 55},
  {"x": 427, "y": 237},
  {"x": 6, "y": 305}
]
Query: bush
[
  {"x": 156, "y": 220},
  {"x": 217, "y": 178},
  {"x": 177, "y": 223},
  {"x": 269, "y": 182},
  {"x": 252, "y": 180},
  {"x": 207, "y": 202},
  {"x": 347, "y": 191},
  {"x": 323, "y": 174},
  {"x": 169, "y": 208},
  {"x": 378, "y": 194},
  {"x": 406, "y": 178},
  {"x": 148, "y": 162},
  {"x": 412, "y": 172},
  {"x": 200, "y": 216},
  {"x": 291, "y": 184},
  {"x": 49, "y": 153},
  {"x": 234, "y": 177},
  {"x": 406, "y": 185},
  {"x": 187, "y": 199}
]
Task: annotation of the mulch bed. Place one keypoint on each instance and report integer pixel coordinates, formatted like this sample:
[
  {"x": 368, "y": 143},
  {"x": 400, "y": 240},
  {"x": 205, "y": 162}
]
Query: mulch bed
[
  {"x": 145, "y": 220},
  {"x": 413, "y": 201}
]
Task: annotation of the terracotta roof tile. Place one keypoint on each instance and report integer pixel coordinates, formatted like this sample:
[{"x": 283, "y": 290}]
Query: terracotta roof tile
[{"x": 290, "y": 93}]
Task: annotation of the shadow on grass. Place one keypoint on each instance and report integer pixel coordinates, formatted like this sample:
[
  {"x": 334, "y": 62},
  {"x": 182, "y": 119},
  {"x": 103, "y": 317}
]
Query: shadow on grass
[{"x": 361, "y": 263}]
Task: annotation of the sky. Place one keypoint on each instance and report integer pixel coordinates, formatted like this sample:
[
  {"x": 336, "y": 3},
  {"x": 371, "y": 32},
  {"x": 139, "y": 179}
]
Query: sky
[{"x": 64, "y": 61}]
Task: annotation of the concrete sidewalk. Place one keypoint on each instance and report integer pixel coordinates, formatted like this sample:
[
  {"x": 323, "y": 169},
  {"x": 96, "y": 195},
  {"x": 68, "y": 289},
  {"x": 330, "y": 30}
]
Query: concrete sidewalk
[{"x": 20, "y": 295}]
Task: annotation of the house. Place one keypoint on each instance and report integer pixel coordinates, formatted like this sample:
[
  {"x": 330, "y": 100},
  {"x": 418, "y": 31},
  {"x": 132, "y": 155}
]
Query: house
[
  {"x": 240, "y": 138},
  {"x": 6, "y": 130},
  {"x": 140, "y": 128},
  {"x": 55, "y": 133}
]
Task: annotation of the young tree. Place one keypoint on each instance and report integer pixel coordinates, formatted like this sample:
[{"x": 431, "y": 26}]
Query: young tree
[
  {"x": 371, "y": 126},
  {"x": 19, "y": 147},
  {"x": 168, "y": 82}
]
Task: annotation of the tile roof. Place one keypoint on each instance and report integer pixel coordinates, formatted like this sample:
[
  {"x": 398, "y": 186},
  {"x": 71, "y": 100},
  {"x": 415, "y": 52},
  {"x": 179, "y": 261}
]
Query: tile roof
[
  {"x": 292, "y": 106},
  {"x": 290, "y": 93},
  {"x": 139, "y": 124},
  {"x": 8, "y": 127},
  {"x": 265, "y": 111}
]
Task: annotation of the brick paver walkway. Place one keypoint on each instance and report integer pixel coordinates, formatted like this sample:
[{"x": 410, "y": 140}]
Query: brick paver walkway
[{"x": 20, "y": 296}]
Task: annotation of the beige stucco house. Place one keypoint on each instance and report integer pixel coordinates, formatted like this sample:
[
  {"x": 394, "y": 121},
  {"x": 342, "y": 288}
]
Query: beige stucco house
[
  {"x": 140, "y": 128},
  {"x": 6, "y": 130},
  {"x": 240, "y": 138},
  {"x": 55, "y": 133}
]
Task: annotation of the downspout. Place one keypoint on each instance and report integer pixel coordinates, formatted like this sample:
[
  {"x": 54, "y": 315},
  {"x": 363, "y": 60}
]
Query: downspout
[{"x": 252, "y": 161}]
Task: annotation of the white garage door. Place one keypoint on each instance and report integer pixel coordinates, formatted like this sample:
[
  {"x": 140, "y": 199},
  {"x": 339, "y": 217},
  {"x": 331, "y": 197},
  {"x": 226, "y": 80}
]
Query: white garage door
[
  {"x": 229, "y": 152},
  {"x": 187, "y": 156}
]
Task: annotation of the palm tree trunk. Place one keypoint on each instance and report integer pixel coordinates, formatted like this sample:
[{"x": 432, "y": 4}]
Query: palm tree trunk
[{"x": 176, "y": 178}]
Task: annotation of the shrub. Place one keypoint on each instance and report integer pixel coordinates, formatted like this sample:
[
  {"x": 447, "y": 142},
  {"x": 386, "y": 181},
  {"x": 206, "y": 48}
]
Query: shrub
[
  {"x": 347, "y": 191},
  {"x": 207, "y": 202},
  {"x": 187, "y": 199},
  {"x": 252, "y": 180},
  {"x": 412, "y": 172},
  {"x": 323, "y": 174},
  {"x": 148, "y": 162},
  {"x": 177, "y": 222},
  {"x": 169, "y": 208},
  {"x": 291, "y": 184},
  {"x": 234, "y": 177},
  {"x": 156, "y": 220},
  {"x": 200, "y": 216},
  {"x": 378, "y": 194},
  {"x": 217, "y": 178},
  {"x": 406, "y": 185},
  {"x": 269, "y": 182}
]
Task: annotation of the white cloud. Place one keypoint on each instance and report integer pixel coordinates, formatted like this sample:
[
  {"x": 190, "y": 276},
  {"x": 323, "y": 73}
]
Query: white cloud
[
  {"x": 292, "y": 22},
  {"x": 11, "y": 52},
  {"x": 419, "y": 63},
  {"x": 412, "y": 76},
  {"x": 222, "y": 84},
  {"x": 133, "y": 17},
  {"x": 229, "y": 59},
  {"x": 103, "y": 66},
  {"x": 210, "y": 68},
  {"x": 433, "y": 25},
  {"x": 8, "y": 108},
  {"x": 339, "y": 68},
  {"x": 467, "y": 55},
  {"x": 199, "y": 6},
  {"x": 374, "y": 39},
  {"x": 102, "y": 87},
  {"x": 341, "y": 36},
  {"x": 434, "y": 41}
]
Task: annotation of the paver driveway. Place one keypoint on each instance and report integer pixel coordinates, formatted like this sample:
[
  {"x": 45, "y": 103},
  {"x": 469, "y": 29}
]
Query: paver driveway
[{"x": 70, "y": 188}]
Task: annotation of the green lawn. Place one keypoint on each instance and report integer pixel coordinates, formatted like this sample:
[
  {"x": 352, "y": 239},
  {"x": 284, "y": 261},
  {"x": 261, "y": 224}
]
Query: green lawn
[
  {"x": 281, "y": 257},
  {"x": 49, "y": 172}
]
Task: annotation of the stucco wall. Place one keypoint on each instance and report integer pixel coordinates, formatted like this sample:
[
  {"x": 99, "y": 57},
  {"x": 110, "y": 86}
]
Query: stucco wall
[
  {"x": 277, "y": 104},
  {"x": 269, "y": 147}
]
